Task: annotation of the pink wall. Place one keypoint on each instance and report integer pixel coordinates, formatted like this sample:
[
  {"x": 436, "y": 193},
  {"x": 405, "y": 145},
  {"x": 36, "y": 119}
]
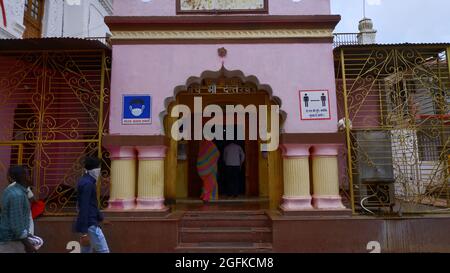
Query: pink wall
[
  {"x": 168, "y": 7},
  {"x": 158, "y": 69}
]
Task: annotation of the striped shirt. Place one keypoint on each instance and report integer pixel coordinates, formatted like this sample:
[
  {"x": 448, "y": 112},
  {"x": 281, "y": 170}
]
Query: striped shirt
[{"x": 15, "y": 215}]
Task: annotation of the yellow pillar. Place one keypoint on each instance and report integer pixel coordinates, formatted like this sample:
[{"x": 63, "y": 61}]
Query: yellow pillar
[
  {"x": 326, "y": 178},
  {"x": 123, "y": 178},
  {"x": 171, "y": 160},
  {"x": 182, "y": 179},
  {"x": 170, "y": 173},
  {"x": 151, "y": 178},
  {"x": 297, "y": 194},
  {"x": 275, "y": 177},
  {"x": 263, "y": 173}
]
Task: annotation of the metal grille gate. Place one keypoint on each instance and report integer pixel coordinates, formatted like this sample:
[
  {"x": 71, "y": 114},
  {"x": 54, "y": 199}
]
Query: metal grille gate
[
  {"x": 394, "y": 102},
  {"x": 53, "y": 112}
]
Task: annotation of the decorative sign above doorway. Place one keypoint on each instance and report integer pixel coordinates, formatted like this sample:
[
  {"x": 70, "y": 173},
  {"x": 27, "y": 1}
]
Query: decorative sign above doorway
[
  {"x": 222, "y": 86},
  {"x": 137, "y": 110},
  {"x": 222, "y": 6},
  {"x": 315, "y": 105}
]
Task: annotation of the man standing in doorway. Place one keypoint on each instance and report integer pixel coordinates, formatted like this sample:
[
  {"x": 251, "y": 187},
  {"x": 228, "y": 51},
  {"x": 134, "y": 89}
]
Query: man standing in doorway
[
  {"x": 89, "y": 216},
  {"x": 234, "y": 157}
]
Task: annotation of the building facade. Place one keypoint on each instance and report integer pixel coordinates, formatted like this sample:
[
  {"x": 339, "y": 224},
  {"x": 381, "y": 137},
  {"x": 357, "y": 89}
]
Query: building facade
[
  {"x": 359, "y": 128},
  {"x": 54, "y": 18},
  {"x": 282, "y": 48}
]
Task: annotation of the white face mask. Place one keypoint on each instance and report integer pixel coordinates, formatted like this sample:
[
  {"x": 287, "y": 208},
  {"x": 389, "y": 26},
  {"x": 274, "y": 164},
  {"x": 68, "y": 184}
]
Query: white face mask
[
  {"x": 95, "y": 173},
  {"x": 137, "y": 111}
]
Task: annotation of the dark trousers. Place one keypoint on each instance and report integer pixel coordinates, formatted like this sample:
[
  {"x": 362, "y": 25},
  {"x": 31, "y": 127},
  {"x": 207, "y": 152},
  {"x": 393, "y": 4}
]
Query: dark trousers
[{"x": 232, "y": 179}]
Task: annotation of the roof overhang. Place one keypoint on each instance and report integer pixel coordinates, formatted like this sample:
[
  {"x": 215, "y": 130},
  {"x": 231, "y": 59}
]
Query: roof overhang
[{"x": 51, "y": 44}]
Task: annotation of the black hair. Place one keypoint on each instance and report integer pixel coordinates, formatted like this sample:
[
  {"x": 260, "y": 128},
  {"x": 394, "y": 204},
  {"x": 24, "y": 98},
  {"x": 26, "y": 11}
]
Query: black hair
[
  {"x": 137, "y": 102},
  {"x": 91, "y": 163},
  {"x": 17, "y": 173}
]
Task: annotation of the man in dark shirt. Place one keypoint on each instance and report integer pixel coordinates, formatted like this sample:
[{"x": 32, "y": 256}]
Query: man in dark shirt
[
  {"x": 89, "y": 216},
  {"x": 15, "y": 214}
]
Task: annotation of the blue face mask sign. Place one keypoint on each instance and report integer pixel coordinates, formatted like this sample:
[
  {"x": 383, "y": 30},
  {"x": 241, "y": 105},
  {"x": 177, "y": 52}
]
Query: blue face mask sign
[{"x": 136, "y": 110}]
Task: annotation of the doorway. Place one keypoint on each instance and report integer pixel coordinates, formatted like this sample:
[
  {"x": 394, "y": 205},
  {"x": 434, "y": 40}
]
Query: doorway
[
  {"x": 261, "y": 174},
  {"x": 248, "y": 177}
]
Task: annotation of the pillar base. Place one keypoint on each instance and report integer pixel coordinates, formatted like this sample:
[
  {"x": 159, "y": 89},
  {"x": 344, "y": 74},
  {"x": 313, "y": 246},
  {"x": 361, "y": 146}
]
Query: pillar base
[
  {"x": 328, "y": 202},
  {"x": 151, "y": 204},
  {"x": 296, "y": 203},
  {"x": 122, "y": 204}
]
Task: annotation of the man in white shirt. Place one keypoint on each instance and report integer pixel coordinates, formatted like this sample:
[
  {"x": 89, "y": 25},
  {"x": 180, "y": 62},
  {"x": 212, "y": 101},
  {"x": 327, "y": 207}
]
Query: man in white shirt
[{"x": 234, "y": 157}]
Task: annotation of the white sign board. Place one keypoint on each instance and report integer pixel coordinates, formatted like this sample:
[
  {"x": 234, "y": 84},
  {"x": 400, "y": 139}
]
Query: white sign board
[{"x": 315, "y": 105}]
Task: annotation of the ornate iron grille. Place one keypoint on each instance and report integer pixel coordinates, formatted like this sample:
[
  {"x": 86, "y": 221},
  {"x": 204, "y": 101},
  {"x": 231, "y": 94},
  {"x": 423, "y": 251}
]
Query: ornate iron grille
[
  {"x": 394, "y": 100},
  {"x": 53, "y": 111}
]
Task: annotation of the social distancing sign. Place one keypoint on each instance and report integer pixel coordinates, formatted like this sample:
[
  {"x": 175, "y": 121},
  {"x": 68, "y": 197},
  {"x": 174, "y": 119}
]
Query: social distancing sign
[{"x": 315, "y": 105}]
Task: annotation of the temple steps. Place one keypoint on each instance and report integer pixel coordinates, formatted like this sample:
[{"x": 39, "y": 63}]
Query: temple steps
[
  {"x": 226, "y": 234},
  {"x": 225, "y": 220},
  {"x": 225, "y": 231},
  {"x": 232, "y": 247}
]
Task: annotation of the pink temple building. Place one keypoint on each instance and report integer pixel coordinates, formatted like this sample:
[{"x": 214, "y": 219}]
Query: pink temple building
[{"x": 342, "y": 120}]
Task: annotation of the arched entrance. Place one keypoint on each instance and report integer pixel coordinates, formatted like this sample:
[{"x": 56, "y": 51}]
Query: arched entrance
[{"x": 260, "y": 175}]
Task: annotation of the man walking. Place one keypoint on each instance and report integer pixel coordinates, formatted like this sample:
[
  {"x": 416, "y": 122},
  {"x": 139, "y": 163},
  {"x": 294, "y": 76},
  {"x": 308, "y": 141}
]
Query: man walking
[
  {"x": 89, "y": 216},
  {"x": 233, "y": 157},
  {"x": 15, "y": 216}
]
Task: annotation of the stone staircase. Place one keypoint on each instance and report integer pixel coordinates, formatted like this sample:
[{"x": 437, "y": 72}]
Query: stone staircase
[{"x": 225, "y": 232}]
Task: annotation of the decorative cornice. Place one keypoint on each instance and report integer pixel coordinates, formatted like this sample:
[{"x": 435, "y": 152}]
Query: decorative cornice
[
  {"x": 129, "y": 140},
  {"x": 221, "y": 28},
  {"x": 221, "y": 34},
  {"x": 312, "y": 138}
]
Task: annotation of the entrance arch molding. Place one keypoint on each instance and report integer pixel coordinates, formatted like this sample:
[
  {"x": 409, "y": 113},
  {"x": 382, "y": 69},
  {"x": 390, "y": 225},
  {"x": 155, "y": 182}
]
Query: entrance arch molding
[
  {"x": 223, "y": 72},
  {"x": 274, "y": 190}
]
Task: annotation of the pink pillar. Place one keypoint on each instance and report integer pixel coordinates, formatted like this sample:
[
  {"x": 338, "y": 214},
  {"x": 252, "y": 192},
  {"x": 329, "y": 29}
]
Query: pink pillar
[{"x": 297, "y": 196}]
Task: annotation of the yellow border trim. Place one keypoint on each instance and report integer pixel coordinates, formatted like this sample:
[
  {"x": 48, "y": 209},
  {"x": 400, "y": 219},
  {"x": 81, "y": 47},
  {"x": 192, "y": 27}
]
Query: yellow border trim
[{"x": 222, "y": 34}]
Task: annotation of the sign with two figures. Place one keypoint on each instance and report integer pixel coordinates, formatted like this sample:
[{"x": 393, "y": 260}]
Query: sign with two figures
[{"x": 315, "y": 105}]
